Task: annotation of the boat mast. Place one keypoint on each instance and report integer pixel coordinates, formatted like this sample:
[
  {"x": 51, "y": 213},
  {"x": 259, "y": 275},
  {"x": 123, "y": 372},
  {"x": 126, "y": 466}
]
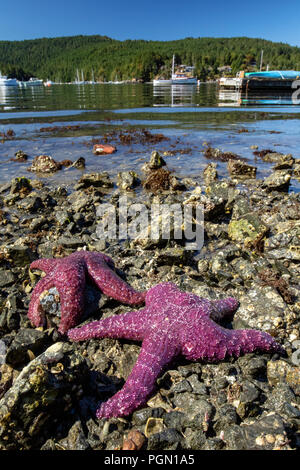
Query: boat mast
[
  {"x": 261, "y": 60},
  {"x": 173, "y": 65}
]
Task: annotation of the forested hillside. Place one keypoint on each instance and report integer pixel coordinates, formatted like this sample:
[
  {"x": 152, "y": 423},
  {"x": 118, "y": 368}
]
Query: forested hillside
[{"x": 108, "y": 59}]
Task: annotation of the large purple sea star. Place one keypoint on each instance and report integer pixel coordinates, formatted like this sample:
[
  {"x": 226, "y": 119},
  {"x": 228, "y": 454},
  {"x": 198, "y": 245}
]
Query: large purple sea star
[
  {"x": 69, "y": 276},
  {"x": 172, "y": 323}
]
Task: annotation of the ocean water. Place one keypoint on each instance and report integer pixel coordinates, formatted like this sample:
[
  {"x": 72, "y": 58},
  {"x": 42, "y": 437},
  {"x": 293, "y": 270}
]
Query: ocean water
[{"x": 190, "y": 117}]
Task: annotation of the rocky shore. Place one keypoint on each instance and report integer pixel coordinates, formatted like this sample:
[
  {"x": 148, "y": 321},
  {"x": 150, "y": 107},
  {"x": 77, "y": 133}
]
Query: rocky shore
[{"x": 50, "y": 387}]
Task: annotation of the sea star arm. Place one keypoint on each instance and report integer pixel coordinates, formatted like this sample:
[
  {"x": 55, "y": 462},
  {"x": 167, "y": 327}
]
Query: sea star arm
[
  {"x": 71, "y": 295},
  {"x": 35, "y": 312},
  {"x": 128, "y": 325},
  {"x": 44, "y": 264},
  {"x": 245, "y": 341},
  {"x": 156, "y": 353},
  {"x": 111, "y": 284},
  {"x": 223, "y": 308}
]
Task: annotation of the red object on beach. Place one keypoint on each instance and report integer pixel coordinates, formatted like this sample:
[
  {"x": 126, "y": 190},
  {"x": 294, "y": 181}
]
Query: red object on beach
[{"x": 103, "y": 149}]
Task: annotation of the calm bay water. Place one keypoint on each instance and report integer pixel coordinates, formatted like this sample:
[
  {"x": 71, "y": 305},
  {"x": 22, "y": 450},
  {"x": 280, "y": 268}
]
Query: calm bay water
[{"x": 187, "y": 115}]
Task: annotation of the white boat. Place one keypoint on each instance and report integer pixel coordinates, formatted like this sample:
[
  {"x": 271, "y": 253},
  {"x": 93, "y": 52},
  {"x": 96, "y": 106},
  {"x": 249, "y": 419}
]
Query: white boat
[
  {"x": 31, "y": 82},
  {"x": 161, "y": 82},
  {"x": 183, "y": 75},
  {"x": 4, "y": 81}
]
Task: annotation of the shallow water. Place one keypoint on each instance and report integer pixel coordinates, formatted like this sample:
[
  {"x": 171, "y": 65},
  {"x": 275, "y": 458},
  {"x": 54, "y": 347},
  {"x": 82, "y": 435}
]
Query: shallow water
[{"x": 187, "y": 115}]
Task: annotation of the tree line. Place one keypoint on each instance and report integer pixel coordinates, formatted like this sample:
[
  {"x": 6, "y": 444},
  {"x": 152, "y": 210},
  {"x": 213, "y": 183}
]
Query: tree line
[{"x": 104, "y": 59}]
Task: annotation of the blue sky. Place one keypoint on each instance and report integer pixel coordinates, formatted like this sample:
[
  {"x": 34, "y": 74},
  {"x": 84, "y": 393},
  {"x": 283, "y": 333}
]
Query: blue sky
[{"x": 154, "y": 19}]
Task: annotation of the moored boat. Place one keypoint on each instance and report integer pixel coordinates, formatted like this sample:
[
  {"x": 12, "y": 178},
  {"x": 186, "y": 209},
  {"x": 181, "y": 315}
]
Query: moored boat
[
  {"x": 161, "y": 82},
  {"x": 31, "y": 82},
  {"x": 4, "y": 81},
  {"x": 183, "y": 75}
]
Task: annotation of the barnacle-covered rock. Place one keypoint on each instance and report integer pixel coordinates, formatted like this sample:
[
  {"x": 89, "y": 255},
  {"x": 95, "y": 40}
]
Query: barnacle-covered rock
[
  {"x": 261, "y": 307},
  {"x": 248, "y": 230},
  {"x": 38, "y": 395},
  {"x": 127, "y": 180},
  {"x": 283, "y": 372},
  {"x": 267, "y": 433},
  {"x": 240, "y": 169},
  {"x": 277, "y": 181},
  {"x": 44, "y": 164}
]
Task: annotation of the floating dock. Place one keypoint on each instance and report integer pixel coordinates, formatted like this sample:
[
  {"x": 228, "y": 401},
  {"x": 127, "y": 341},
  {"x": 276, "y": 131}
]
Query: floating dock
[{"x": 273, "y": 80}]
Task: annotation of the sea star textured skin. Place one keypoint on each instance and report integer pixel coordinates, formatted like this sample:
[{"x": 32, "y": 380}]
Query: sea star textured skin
[
  {"x": 172, "y": 323},
  {"x": 69, "y": 276}
]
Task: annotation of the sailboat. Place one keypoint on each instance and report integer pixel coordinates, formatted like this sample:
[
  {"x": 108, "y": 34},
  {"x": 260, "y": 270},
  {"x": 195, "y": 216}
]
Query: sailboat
[{"x": 183, "y": 75}]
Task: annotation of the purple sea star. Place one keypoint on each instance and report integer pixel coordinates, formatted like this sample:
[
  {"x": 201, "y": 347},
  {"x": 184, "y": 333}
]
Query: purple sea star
[
  {"x": 172, "y": 323},
  {"x": 69, "y": 275}
]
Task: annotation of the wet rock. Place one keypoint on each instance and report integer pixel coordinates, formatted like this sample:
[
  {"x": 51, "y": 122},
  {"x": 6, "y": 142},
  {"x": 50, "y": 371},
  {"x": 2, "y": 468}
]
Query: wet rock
[
  {"x": 127, "y": 180},
  {"x": 141, "y": 416},
  {"x": 44, "y": 164},
  {"x": 283, "y": 372},
  {"x": 31, "y": 204},
  {"x": 156, "y": 162},
  {"x": 40, "y": 394},
  {"x": 20, "y": 255},
  {"x": 20, "y": 186},
  {"x": 171, "y": 256},
  {"x": 6, "y": 278},
  {"x": 285, "y": 244},
  {"x": 248, "y": 402},
  {"x": 217, "y": 154},
  {"x": 20, "y": 156},
  {"x": 194, "y": 439},
  {"x": 267, "y": 433},
  {"x": 210, "y": 173},
  {"x": 281, "y": 396},
  {"x": 274, "y": 157},
  {"x": 277, "y": 181},
  {"x": 7, "y": 376},
  {"x": 217, "y": 201},
  {"x": 27, "y": 339},
  {"x": 97, "y": 180},
  {"x": 240, "y": 169},
  {"x": 10, "y": 317},
  {"x": 260, "y": 308},
  {"x": 225, "y": 416},
  {"x": 253, "y": 367},
  {"x": 169, "y": 439},
  {"x": 214, "y": 443},
  {"x": 76, "y": 439},
  {"x": 248, "y": 230},
  {"x": 284, "y": 162},
  {"x": 79, "y": 163}
]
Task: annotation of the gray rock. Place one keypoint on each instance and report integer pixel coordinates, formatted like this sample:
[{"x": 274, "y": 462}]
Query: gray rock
[
  {"x": 167, "y": 440},
  {"x": 41, "y": 393},
  {"x": 26, "y": 339}
]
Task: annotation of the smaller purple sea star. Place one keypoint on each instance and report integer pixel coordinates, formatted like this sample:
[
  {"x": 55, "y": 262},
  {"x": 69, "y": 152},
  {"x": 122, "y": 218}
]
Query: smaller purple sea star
[
  {"x": 69, "y": 275},
  {"x": 172, "y": 323}
]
